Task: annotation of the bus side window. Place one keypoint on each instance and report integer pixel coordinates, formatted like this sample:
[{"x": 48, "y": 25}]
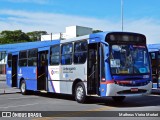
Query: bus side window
[
  {"x": 55, "y": 55},
  {"x": 23, "y": 57},
  {"x": 9, "y": 60},
  {"x": 32, "y": 57},
  {"x": 34, "y": 63},
  {"x": 66, "y": 55},
  {"x": 80, "y": 52}
]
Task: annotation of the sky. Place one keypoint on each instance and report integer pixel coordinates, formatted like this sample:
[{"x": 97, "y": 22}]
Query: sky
[{"x": 140, "y": 16}]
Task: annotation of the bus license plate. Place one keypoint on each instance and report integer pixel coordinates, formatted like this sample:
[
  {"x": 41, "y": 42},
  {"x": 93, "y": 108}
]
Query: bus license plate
[{"x": 134, "y": 89}]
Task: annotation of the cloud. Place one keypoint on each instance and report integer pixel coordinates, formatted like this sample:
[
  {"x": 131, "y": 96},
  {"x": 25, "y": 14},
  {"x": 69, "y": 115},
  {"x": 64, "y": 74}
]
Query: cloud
[
  {"x": 54, "y": 23},
  {"x": 147, "y": 26},
  {"x": 29, "y": 1},
  {"x": 50, "y": 21}
]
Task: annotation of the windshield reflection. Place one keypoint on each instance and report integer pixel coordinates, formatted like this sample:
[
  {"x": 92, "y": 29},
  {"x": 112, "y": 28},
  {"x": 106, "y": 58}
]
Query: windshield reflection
[{"x": 129, "y": 59}]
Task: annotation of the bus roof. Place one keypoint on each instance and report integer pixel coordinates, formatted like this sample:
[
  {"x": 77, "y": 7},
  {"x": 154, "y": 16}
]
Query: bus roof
[
  {"x": 101, "y": 35},
  {"x": 30, "y": 45},
  {"x": 26, "y": 45}
]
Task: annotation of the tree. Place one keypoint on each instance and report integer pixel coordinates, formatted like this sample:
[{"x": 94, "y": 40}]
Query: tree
[
  {"x": 8, "y": 36},
  {"x": 36, "y": 35},
  {"x": 96, "y": 31}
]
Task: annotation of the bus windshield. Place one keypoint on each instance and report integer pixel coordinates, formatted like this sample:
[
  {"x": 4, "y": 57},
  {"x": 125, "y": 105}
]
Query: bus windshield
[{"x": 129, "y": 59}]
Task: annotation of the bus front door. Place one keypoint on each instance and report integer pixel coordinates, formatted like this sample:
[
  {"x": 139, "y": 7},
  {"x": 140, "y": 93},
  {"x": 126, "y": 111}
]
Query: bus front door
[
  {"x": 93, "y": 80},
  {"x": 42, "y": 70},
  {"x": 14, "y": 70}
]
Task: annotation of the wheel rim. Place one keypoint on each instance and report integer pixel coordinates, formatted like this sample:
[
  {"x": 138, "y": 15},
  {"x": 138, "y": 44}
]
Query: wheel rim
[
  {"x": 23, "y": 87},
  {"x": 79, "y": 92}
]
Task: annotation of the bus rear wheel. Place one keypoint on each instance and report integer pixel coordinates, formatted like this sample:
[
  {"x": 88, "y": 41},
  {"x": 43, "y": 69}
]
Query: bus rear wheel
[
  {"x": 80, "y": 93},
  {"x": 23, "y": 88},
  {"x": 118, "y": 98}
]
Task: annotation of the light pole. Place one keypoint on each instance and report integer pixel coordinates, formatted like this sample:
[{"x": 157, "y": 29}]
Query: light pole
[{"x": 122, "y": 14}]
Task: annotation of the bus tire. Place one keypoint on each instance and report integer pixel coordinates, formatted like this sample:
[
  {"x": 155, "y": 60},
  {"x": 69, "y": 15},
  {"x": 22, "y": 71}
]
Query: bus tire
[
  {"x": 80, "y": 93},
  {"x": 23, "y": 88},
  {"x": 118, "y": 98}
]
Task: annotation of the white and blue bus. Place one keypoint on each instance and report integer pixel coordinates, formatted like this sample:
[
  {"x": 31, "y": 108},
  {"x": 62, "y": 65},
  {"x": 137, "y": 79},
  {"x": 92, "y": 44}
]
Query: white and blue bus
[
  {"x": 114, "y": 64},
  {"x": 154, "y": 51}
]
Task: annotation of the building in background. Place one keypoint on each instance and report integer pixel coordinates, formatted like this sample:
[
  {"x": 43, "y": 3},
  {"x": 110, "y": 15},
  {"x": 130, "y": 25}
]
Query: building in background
[
  {"x": 3, "y": 59},
  {"x": 71, "y": 32}
]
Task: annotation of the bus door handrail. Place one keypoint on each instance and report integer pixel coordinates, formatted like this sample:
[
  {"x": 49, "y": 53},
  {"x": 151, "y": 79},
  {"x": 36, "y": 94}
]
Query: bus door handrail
[
  {"x": 41, "y": 75},
  {"x": 91, "y": 74}
]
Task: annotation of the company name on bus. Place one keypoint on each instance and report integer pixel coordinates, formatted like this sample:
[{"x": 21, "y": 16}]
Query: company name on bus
[{"x": 69, "y": 68}]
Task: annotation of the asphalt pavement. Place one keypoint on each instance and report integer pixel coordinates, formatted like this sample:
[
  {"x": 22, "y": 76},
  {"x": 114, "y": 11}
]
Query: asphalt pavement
[
  {"x": 66, "y": 108},
  {"x": 2, "y": 77}
]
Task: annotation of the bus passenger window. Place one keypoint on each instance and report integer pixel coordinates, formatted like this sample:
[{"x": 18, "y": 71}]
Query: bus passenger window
[
  {"x": 54, "y": 55},
  {"x": 32, "y": 57},
  {"x": 66, "y": 58},
  {"x": 34, "y": 63},
  {"x": 80, "y": 52},
  {"x": 9, "y": 60},
  {"x": 23, "y": 57}
]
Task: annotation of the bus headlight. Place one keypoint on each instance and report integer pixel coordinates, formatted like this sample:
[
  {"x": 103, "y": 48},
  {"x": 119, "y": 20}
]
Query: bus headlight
[{"x": 103, "y": 79}]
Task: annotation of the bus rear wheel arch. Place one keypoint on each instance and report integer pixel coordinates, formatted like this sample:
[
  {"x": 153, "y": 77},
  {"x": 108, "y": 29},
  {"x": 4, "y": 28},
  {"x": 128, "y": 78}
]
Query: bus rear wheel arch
[{"x": 80, "y": 93}]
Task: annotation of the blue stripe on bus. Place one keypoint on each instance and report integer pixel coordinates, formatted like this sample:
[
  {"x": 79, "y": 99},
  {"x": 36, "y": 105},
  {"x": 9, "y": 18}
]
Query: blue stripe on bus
[
  {"x": 52, "y": 84},
  {"x": 52, "y": 87},
  {"x": 103, "y": 89}
]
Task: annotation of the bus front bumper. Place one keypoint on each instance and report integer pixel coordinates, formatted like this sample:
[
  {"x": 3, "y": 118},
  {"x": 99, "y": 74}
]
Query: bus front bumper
[{"x": 117, "y": 90}]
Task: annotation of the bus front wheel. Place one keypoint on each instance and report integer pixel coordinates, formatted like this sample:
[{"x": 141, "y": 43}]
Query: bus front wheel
[
  {"x": 80, "y": 93},
  {"x": 118, "y": 98},
  {"x": 23, "y": 87}
]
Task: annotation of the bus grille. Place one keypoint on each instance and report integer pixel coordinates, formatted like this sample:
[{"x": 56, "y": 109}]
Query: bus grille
[
  {"x": 132, "y": 84},
  {"x": 132, "y": 92}
]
